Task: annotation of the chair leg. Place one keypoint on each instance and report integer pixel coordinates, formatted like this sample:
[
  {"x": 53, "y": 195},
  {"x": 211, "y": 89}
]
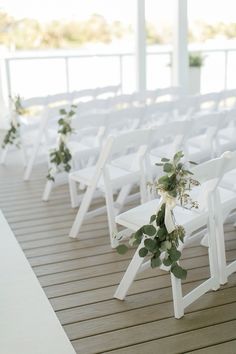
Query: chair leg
[
  {"x": 122, "y": 196},
  {"x": 177, "y": 296},
  {"x": 214, "y": 227},
  {"x": 73, "y": 193},
  {"x": 4, "y": 155},
  {"x": 47, "y": 190},
  {"x": 24, "y": 156},
  {"x": 130, "y": 275},
  {"x": 204, "y": 241},
  {"x": 34, "y": 154},
  {"x": 111, "y": 215},
  {"x": 30, "y": 164},
  {"x": 82, "y": 211},
  {"x": 220, "y": 246}
]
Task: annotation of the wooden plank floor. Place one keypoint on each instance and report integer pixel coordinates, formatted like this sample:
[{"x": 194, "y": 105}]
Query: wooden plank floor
[{"x": 80, "y": 277}]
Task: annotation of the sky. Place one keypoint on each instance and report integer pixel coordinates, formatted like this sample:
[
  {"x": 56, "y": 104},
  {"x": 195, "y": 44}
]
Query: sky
[{"x": 123, "y": 10}]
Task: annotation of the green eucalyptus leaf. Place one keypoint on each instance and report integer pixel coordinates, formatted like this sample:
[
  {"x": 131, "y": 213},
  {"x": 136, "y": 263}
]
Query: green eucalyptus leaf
[
  {"x": 165, "y": 245},
  {"x": 122, "y": 249},
  {"x": 162, "y": 233},
  {"x": 174, "y": 254},
  {"x": 139, "y": 233},
  {"x": 168, "y": 167},
  {"x": 62, "y": 111},
  {"x": 149, "y": 230},
  {"x": 178, "y": 156},
  {"x": 178, "y": 271},
  {"x": 143, "y": 252},
  {"x": 163, "y": 179},
  {"x": 164, "y": 159},
  {"x": 150, "y": 244},
  {"x": 155, "y": 262},
  {"x": 152, "y": 218},
  {"x": 173, "y": 193},
  {"x": 167, "y": 262}
]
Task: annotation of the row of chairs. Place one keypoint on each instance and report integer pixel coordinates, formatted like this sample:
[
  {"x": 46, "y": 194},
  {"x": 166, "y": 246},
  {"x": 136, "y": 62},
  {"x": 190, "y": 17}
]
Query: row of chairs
[
  {"x": 117, "y": 163},
  {"x": 32, "y": 122},
  {"x": 118, "y": 169},
  {"x": 110, "y": 120},
  {"x": 33, "y": 131},
  {"x": 100, "y": 125},
  {"x": 126, "y": 159}
]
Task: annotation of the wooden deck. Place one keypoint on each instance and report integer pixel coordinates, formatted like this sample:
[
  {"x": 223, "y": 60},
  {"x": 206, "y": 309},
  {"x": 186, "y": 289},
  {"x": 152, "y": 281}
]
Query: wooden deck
[{"x": 80, "y": 277}]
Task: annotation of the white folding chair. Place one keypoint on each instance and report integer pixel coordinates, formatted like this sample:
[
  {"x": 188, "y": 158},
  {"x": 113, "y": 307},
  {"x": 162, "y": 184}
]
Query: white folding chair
[
  {"x": 29, "y": 125},
  {"x": 84, "y": 145},
  {"x": 208, "y": 102},
  {"x": 227, "y": 131},
  {"x": 185, "y": 107},
  {"x": 122, "y": 101},
  {"x": 163, "y": 140},
  {"x": 169, "y": 93},
  {"x": 45, "y": 137},
  {"x": 226, "y": 205},
  {"x": 209, "y": 174},
  {"x": 123, "y": 120},
  {"x": 228, "y": 99},
  {"x": 158, "y": 113},
  {"x": 204, "y": 143},
  {"x": 108, "y": 91},
  {"x": 107, "y": 177}
]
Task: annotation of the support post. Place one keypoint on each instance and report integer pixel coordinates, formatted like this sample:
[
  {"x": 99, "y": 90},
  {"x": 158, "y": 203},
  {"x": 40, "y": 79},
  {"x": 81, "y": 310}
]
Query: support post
[
  {"x": 180, "y": 45},
  {"x": 140, "y": 54},
  {"x": 4, "y": 112}
]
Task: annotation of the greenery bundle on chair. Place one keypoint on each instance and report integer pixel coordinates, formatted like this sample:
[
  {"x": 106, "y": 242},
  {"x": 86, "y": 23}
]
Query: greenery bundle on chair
[
  {"x": 161, "y": 237},
  {"x": 12, "y": 136},
  {"x": 60, "y": 158}
]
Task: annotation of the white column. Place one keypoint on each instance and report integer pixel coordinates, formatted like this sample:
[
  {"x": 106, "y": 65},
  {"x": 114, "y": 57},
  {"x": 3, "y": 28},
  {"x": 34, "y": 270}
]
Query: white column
[
  {"x": 3, "y": 90},
  {"x": 140, "y": 46},
  {"x": 180, "y": 45}
]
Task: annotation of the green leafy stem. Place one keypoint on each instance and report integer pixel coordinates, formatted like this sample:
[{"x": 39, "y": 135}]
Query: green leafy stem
[
  {"x": 158, "y": 244},
  {"x": 12, "y": 136},
  {"x": 60, "y": 157}
]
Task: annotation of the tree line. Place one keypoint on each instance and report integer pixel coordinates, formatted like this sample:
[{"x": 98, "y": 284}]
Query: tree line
[{"x": 31, "y": 34}]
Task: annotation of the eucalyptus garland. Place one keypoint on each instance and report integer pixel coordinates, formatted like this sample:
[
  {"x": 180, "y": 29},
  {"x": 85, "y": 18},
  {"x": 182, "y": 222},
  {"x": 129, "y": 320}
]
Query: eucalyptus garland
[
  {"x": 160, "y": 241},
  {"x": 60, "y": 158},
  {"x": 12, "y": 136}
]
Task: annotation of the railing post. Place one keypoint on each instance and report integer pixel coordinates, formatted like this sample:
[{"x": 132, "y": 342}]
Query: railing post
[
  {"x": 8, "y": 77},
  {"x": 226, "y": 69},
  {"x": 121, "y": 72},
  {"x": 67, "y": 74},
  {"x": 4, "y": 102},
  {"x": 140, "y": 53},
  {"x": 180, "y": 48}
]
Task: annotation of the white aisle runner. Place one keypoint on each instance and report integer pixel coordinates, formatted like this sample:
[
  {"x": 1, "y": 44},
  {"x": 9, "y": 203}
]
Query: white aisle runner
[{"x": 28, "y": 324}]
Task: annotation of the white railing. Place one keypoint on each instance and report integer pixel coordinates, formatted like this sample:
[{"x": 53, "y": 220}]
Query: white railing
[{"x": 45, "y": 73}]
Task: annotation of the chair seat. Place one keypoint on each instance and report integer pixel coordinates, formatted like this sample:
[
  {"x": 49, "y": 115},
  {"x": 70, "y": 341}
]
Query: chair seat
[
  {"x": 199, "y": 154},
  {"x": 190, "y": 219},
  {"x": 228, "y": 132},
  {"x": 155, "y": 157},
  {"x": 118, "y": 176},
  {"x": 81, "y": 150},
  {"x": 229, "y": 180},
  {"x": 135, "y": 218}
]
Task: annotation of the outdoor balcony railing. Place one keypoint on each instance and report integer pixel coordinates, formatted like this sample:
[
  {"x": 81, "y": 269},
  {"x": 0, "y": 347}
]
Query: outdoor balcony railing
[{"x": 41, "y": 73}]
